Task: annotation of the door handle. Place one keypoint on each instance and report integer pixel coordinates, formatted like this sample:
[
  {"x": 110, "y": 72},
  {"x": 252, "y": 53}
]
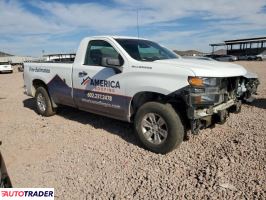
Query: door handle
[{"x": 81, "y": 74}]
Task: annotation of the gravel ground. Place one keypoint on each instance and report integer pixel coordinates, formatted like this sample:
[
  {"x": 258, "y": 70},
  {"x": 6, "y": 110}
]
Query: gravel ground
[{"x": 85, "y": 156}]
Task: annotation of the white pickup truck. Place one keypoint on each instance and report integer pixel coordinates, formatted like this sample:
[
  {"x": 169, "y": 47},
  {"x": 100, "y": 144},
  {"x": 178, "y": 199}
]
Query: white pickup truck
[
  {"x": 139, "y": 81},
  {"x": 6, "y": 67}
]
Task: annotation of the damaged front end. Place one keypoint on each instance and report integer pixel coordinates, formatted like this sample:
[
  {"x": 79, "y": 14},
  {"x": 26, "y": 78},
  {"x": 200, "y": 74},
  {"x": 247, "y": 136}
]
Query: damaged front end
[
  {"x": 248, "y": 87},
  {"x": 210, "y": 100}
]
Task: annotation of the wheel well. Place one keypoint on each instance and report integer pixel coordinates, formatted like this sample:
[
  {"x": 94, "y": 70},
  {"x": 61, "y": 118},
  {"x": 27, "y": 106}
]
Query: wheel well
[
  {"x": 37, "y": 83},
  {"x": 143, "y": 97}
]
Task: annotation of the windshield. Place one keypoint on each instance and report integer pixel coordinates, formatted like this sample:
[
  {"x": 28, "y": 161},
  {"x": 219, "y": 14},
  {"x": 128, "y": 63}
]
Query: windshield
[
  {"x": 144, "y": 50},
  {"x": 4, "y": 63},
  {"x": 263, "y": 53}
]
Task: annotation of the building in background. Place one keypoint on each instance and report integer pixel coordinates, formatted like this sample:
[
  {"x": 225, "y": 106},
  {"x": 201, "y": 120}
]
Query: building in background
[
  {"x": 16, "y": 60},
  {"x": 63, "y": 57}
]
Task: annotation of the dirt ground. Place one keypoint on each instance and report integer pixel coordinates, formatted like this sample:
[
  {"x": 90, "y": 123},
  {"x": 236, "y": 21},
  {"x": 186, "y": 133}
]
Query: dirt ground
[{"x": 85, "y": 156}]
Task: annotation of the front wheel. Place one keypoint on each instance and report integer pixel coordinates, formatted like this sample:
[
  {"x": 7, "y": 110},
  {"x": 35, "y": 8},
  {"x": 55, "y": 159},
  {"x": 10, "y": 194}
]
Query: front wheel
[
  {"x": 43, "y": 102},
  {"x": 158, "y": 126}
]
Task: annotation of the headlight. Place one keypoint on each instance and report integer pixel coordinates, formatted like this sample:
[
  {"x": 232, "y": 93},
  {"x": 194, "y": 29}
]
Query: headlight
[
  {"x": 204, "y": 90},
  {"x": 202, "y": 81},
  {"x": 205, "y": 99}
]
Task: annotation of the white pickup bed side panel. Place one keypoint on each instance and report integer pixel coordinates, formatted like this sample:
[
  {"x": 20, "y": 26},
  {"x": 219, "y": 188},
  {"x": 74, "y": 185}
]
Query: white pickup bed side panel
[{"x": 48, "y": 72}]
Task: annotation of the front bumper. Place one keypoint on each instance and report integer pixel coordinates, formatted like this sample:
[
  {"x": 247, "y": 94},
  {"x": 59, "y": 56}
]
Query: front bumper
[
  {"x": 207, "y": 105},
  {"x": 200, "y": 113},
  {"x": 6, "y": 69},
  {"x": 9, "y": 70},
  {"x": 206, "y": 117}
]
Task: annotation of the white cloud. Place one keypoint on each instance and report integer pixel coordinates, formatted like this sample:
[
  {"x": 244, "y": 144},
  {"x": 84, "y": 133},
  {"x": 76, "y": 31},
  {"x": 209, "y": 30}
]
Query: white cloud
[
  {"x": 218, "y": 9},
  {"x": 91, "y": 16},
  {"x": 34, "y": 45},
  {"x": 25, "y": 31},
  {"x": 16, "y": 20}
]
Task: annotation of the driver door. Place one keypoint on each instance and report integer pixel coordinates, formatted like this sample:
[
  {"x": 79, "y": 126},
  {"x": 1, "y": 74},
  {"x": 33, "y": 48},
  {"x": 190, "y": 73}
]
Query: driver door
[{"x": 98, "y": 88}]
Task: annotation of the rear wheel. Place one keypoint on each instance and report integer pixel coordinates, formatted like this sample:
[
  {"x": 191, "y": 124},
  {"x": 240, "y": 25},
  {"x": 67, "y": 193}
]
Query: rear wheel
[
  {"x": 159, "y": 127},
  {"x": 43, "y": 102}
]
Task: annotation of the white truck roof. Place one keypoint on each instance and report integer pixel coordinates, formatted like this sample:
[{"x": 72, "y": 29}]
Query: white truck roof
[{"x": 115, "y": 37}]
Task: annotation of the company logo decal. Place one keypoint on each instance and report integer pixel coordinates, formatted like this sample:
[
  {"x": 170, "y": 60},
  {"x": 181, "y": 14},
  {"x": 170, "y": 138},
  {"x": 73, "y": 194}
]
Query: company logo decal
[
  {"x": 102, "y": 83},
  {"x": 86, "y": 80}
]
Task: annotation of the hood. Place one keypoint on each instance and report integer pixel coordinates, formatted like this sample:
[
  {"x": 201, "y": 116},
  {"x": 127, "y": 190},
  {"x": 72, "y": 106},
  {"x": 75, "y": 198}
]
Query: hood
[
  {"x": 206, "y": 68},
  {"x": 251, "y": 75}
]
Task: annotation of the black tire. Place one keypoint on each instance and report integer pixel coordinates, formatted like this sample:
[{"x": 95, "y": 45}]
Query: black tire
[
  {"x": 4, "y": 178},
  {"x": 173, "y": 124},
  {"x": 47, "y": 110}
]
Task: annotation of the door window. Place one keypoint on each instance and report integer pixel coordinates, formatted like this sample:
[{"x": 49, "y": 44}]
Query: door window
[{"x": 99, "y": 49}]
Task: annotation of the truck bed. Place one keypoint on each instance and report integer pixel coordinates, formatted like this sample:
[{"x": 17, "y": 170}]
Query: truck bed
[
  {"x": 51, "y": 61},
  {"x": 46, "y": 72},
  {"x": 56, "y": 58}
]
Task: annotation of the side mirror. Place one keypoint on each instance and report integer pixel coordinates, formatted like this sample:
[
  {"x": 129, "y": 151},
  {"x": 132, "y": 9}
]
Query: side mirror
[{"x": 112, "y": 63}]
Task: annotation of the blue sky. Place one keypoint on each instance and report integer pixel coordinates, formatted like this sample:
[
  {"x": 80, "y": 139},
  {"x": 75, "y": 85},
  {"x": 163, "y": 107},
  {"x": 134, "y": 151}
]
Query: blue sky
[{"x": 57, "y": 26}]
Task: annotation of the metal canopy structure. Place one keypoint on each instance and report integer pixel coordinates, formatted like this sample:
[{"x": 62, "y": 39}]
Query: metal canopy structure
[
  {"x": 243, "y": 47},
  {"x": 248, "y": 40}
]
